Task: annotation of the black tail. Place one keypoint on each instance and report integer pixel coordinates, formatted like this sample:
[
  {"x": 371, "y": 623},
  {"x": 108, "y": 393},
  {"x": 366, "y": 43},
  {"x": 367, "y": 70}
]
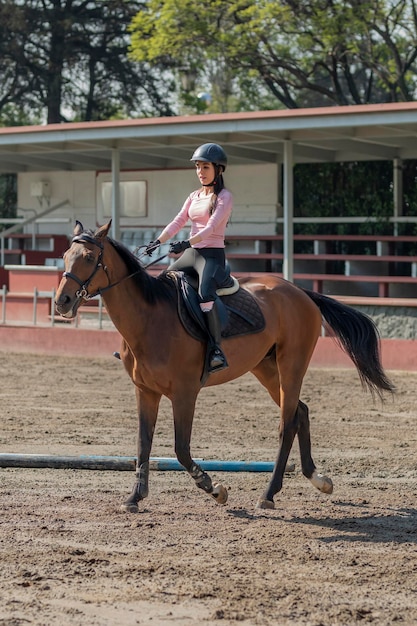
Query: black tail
[{"x": 358, "y": 336}]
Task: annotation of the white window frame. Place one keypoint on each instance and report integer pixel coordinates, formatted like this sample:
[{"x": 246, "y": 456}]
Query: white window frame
[{"x": 133, "y": 198}]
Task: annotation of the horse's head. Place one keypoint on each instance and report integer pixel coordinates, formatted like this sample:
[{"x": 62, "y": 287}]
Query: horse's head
[{"x": 85, "y": 273}]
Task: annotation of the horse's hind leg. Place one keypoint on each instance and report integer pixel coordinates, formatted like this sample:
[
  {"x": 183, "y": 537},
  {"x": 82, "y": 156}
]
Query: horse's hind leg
[
  {"x": 294, "y": 421},
  {"x": 267, "y": 374},
  {"x": 323, "y": 483}
]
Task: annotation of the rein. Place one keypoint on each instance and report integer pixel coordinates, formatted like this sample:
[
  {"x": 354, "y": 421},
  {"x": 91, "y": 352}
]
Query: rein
[{"x": 82, "y": 293}]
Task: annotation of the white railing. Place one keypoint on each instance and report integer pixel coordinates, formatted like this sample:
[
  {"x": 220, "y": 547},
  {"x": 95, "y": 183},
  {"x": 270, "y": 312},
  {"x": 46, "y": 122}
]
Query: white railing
[
  {"x": 19, "y": 223},
  {"x": 96, "y": 317}
]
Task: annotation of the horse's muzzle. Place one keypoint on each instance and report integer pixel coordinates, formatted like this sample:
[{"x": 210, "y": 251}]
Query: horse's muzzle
[{"x": 66, "y": 306}]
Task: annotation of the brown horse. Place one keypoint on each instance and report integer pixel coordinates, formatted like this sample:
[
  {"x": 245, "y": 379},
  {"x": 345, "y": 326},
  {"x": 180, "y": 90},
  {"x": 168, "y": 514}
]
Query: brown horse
[{"x": 163, "y": 359}]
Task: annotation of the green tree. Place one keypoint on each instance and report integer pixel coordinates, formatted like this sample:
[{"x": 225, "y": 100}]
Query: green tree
[
  {"x": 8, "y": 196},
  {"x": 345, "y": 190},
  {"x": 67, "y": 60},
  {"x": 302, "y": 52}
]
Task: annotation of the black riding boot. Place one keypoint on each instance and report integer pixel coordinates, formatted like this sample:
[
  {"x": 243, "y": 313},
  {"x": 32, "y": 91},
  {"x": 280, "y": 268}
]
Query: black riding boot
[{"x": 217, "y": 360}]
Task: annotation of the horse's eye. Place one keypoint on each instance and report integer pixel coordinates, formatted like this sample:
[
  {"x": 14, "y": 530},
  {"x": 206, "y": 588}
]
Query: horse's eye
[{"x": 89, "y": 258}]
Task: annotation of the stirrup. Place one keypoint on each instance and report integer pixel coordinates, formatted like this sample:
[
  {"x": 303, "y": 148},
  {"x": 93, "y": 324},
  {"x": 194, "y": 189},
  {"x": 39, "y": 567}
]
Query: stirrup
[{"x": 217, "y": 361}]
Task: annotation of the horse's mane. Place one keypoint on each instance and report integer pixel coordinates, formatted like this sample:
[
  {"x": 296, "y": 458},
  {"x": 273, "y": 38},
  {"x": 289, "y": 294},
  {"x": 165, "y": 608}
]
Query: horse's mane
[{"x": 153, "y": 289}]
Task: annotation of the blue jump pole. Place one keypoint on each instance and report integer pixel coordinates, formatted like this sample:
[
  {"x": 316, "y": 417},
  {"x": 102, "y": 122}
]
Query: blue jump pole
[{"x": 127, "y": 463}]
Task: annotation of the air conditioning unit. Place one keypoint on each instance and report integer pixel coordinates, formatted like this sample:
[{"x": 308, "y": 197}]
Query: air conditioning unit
[{"x": 40, "y": 189}]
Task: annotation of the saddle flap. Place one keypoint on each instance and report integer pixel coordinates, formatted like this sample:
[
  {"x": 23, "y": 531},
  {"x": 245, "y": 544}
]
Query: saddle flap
[{"x": 240, "y": 312}]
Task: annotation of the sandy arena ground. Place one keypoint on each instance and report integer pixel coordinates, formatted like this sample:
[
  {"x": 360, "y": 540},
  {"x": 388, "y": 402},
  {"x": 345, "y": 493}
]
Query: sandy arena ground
[{"x": 69, "y": 557}]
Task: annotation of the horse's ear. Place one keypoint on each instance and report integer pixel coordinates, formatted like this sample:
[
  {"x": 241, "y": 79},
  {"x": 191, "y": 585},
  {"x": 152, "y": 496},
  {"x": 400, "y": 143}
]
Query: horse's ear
[
  {"x": 79, "y": 228},
  {"x": 102, "y": 231}
]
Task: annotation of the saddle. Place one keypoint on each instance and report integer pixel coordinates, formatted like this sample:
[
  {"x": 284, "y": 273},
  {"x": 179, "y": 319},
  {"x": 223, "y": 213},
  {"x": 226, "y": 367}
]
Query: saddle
[{"x": 239, "y": 312}]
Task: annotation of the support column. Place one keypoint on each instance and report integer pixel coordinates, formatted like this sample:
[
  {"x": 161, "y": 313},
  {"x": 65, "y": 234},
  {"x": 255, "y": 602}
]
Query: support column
[
  {"x": 279, "y": 204},
  {"x": 397, "y": 190},
  {"x": 288, "y": 182},
  {"x": 115, "y": 191}
]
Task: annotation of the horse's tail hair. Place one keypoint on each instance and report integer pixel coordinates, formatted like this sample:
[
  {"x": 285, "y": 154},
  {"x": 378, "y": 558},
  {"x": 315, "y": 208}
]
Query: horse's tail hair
[{"x": 358, "y": 336}]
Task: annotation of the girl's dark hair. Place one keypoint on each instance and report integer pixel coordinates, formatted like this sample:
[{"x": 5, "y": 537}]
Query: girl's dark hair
[{"x": 218, "y": 186}]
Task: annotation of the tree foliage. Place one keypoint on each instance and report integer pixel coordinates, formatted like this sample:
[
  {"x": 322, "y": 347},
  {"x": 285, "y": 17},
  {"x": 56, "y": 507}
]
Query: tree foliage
[
  {"x": 346, "y": 190},
  {"x": 64, "y": 60},
  {"x": 301, "y": 52},
  {"x": 8, "y": 195}
]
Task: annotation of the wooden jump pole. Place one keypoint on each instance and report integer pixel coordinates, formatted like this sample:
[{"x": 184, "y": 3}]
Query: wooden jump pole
[{"x": 127, "y": 463}]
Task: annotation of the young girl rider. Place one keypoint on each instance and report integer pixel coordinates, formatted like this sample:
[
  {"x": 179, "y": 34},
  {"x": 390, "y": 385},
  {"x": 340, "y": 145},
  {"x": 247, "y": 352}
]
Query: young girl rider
[{"x": 209, "y": 209}]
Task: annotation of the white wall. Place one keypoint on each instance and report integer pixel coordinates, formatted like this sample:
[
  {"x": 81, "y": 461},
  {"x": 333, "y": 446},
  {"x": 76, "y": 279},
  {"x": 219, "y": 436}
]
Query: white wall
[
  {"x": 254, "y": 188},
  {"x": 255, "y": 193},
  {"x": 76, "y": 187}
]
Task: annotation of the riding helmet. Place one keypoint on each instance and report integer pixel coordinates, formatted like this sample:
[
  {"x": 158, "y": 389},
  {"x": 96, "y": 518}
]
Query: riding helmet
[{"x": 211, "y": 153}]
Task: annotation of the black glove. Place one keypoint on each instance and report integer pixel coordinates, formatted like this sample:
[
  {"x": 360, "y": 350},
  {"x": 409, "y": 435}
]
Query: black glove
[
  {"x": 152, "y": 245},
  {"x": 179, "y": 246}
]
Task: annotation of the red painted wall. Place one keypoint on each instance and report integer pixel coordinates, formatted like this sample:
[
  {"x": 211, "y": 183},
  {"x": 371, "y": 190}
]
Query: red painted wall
[{"x": 397, "y": 354}]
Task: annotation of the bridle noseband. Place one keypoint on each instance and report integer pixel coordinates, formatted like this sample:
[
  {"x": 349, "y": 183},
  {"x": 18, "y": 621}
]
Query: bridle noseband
[{"x": 83, "y": 291}]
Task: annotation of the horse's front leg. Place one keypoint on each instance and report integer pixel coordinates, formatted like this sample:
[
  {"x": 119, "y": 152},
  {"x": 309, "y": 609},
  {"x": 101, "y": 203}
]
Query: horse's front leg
[
  {"x": 183, "y": 409},
  {"x": 147, "y": 403}
]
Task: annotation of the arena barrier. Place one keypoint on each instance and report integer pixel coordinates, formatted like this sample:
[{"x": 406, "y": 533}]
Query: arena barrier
[{"x": 397, "y": 354}]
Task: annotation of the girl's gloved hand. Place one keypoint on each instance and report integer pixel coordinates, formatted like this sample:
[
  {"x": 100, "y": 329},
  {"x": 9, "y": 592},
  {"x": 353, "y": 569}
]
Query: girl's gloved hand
[
  {"x": 179, "y": 246},
  {"x": 152, "y": 246}
]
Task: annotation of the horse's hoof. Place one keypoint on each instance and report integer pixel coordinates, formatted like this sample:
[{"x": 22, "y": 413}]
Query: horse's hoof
[
  {"x": 265, "y": 504},
  {"x": 322, "y": 483},
  {"x": 327, "y": 485},
  {"x": 129, "y": 507},
  {"x": 219, "y": 493}
]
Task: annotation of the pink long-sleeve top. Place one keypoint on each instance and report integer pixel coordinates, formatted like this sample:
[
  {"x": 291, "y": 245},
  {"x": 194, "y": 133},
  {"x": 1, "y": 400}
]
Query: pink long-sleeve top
[{"x": 211, "y": 228}]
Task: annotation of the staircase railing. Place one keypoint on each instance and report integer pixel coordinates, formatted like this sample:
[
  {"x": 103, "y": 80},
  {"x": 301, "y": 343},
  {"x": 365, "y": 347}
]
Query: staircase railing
[{"x": 29, "y": 220}]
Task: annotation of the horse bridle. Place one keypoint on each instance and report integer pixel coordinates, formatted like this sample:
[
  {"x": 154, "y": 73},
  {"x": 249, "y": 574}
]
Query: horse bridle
[{"x": 83, "y": 291}]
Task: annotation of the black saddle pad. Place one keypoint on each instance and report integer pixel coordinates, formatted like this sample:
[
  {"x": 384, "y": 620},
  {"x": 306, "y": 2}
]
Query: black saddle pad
[{"x": 244, "y": 315}]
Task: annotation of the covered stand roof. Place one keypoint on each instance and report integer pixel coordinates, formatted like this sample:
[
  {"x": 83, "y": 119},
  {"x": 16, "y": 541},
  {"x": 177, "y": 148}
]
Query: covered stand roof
[{"x": 366, "y": 132}]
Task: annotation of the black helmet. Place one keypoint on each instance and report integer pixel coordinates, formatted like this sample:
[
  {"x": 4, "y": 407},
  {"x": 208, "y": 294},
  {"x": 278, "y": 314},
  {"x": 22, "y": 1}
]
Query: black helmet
[{"x": 211, "y": 153}]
